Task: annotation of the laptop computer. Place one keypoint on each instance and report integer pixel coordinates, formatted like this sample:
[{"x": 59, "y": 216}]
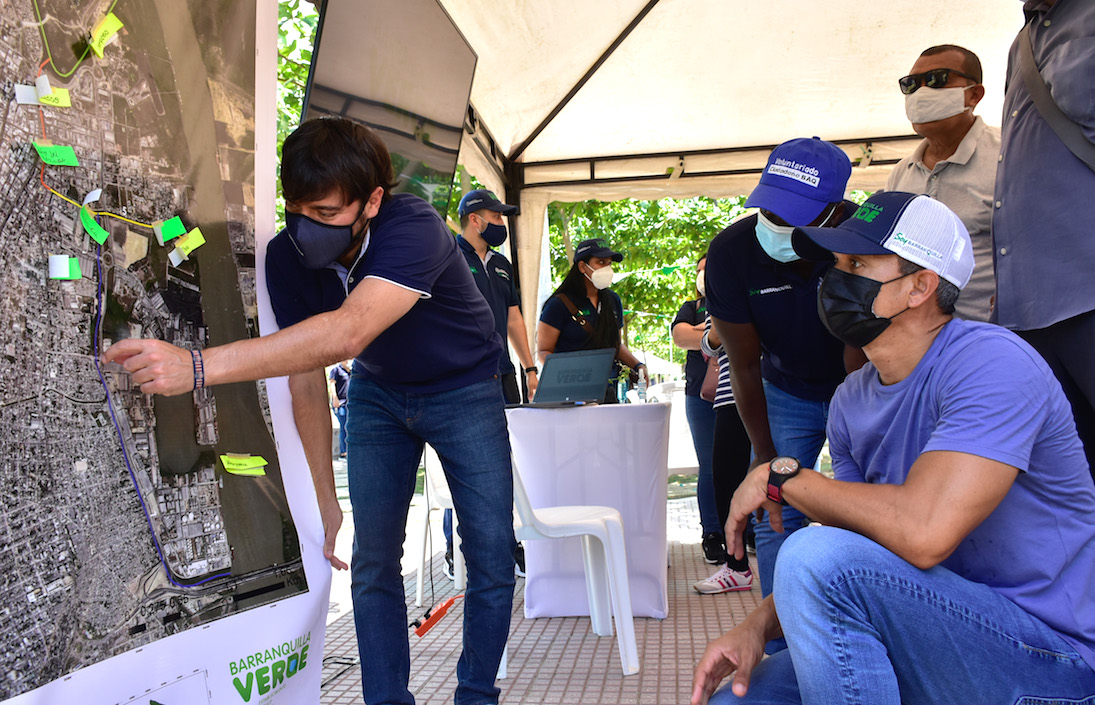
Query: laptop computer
[{"x": 574, "y": 378}]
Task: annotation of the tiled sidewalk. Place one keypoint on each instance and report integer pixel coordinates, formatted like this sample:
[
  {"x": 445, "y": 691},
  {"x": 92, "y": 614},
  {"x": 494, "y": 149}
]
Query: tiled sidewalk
[{"x": 560, "y": 660}]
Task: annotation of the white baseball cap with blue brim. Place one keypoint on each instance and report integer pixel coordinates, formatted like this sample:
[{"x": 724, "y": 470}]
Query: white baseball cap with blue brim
[{"x": 915, "y": 227}]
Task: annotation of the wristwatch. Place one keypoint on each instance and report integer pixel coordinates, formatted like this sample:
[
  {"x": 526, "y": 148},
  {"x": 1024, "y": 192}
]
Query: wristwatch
[
  {"x": 780, "y": 470},
  {"x": 530, "y": 369}
]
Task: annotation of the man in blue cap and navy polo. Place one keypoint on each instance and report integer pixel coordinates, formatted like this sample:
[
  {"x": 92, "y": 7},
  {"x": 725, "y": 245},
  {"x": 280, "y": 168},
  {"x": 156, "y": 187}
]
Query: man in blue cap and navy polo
[
  {"x": 484, "y": 229},
  {"x": 957, "y": 557},
  {"x": 762, "y": 299}
]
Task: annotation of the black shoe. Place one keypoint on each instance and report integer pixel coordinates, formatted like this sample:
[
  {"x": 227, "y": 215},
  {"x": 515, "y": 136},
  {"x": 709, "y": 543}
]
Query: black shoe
[
  {"x": 519, "y": 560},
  {"x": 750, "y": 542},
  {"x": 448, "y": 565},
  {"x": 714, "y": 550}
]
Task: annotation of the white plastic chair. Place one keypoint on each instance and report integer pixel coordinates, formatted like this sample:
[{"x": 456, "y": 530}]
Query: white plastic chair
[
  {"x": 438, "y": 496},
  {"x": 602, "y": 532}
]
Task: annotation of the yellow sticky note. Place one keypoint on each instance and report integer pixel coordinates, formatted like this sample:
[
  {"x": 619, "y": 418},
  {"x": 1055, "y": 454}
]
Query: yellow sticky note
[
  {"x": 190, "y": 242},
  {"x": 107, "y": 28},
  {"x": 59, "y": 98},
  {"x": 251, "y": 465},
  {"x": 96, "y": 231}
]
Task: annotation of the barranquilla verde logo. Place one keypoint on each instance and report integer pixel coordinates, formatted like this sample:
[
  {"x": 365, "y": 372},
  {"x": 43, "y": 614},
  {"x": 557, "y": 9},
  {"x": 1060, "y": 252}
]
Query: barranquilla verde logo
[
  {"x": 867, "y": 212},
  {"x": 262, "y": 672}
]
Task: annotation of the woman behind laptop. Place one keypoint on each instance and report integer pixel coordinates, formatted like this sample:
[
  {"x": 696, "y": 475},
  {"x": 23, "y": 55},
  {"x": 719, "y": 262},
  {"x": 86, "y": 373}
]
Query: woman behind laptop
[{"x": 584, "y": 313}]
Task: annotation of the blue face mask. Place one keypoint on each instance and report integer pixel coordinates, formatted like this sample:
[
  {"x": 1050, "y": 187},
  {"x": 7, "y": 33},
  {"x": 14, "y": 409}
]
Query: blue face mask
[
  {"x": 775, "y": 240},
  {"x": 319, "y": 244}
]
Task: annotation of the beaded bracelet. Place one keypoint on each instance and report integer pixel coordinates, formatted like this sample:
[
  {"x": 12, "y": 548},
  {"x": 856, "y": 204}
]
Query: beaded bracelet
[{"x": 199, "y": 368}]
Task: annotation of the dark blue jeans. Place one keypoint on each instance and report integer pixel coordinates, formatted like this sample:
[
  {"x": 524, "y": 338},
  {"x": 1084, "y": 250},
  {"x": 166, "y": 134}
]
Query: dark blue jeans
[
  {"x": 387, "y": 430},
  {"x": 701, "y": 423}
]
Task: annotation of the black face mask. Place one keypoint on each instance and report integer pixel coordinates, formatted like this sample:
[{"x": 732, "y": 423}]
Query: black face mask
[
  {"x": 319, "y": 244},
  {"x": 845, "y": 303},
  {"x": 494, "y": 234}
]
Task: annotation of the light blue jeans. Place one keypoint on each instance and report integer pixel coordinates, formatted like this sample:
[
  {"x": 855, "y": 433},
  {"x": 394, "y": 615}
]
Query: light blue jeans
[
  {"x": 865, "y": 626},
  {"x": 467, "y": 428},
  {"x": 701, "y": 423}
]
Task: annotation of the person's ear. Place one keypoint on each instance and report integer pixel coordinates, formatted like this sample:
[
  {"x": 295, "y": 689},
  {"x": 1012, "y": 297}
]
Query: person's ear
[
  {"x": 925, "y": 282},
  {"x": 372, "y": 206},
  {"x": 974, "y": 96}
]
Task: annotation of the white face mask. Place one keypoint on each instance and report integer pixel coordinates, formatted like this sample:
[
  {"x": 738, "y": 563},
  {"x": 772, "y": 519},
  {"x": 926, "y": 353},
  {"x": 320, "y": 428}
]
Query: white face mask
[
  {"x": 931, "y": 104},
  {"x": 601, "y": 278},
  {"x": 701, "y": 283}
]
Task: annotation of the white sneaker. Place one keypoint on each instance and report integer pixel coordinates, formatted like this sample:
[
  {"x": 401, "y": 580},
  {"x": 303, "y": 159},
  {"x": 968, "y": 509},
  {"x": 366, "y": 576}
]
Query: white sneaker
[{"x": 725, "y": 580}]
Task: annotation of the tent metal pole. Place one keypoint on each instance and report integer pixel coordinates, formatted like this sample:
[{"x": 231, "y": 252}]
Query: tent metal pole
[{"x": 520, "y": 149}]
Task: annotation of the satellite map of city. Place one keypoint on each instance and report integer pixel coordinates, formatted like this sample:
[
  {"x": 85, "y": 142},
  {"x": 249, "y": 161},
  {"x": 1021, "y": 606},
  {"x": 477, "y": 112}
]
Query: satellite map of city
[{"x": 127, "y": 209}]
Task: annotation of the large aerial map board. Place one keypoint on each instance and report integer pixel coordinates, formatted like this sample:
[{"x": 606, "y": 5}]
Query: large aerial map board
[{"x": 128, "y": 208}]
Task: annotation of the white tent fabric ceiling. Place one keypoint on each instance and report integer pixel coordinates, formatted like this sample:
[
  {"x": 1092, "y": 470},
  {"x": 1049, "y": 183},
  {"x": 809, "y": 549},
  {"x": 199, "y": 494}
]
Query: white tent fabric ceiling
[{"x": 705, "y": 86}]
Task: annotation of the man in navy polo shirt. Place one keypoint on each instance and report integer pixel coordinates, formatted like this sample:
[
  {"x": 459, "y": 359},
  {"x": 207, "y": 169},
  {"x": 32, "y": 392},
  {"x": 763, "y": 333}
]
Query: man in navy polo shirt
[
  {"x": 361, "y": 272},
  {"x": 482, "y": 230},
  {"x": 784, "y": 365}
]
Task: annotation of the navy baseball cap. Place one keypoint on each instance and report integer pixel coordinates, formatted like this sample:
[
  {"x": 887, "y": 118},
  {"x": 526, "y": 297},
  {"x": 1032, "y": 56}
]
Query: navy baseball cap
[
  {"x": 596, "y": 247},
  {"x": 801, "y": 178},
  {"x": 915, "y": 227},
  {"x": 480, "y": 199}
]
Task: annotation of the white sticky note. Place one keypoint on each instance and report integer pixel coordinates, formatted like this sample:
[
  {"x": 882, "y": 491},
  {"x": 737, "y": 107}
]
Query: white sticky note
[
  {"x": 58, "y": 267},
  {"x": 176, "y": 257},
  {"x": 26, "y": 95},
  {"x": 93, "y": 196}
]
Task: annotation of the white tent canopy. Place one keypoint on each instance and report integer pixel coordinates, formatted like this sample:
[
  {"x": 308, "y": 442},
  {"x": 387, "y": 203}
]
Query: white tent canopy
[{"x": 611, "y": 99}]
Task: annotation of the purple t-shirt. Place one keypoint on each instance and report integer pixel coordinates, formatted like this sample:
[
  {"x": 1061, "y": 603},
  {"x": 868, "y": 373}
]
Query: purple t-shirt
[{"x": 981, "y": 390}]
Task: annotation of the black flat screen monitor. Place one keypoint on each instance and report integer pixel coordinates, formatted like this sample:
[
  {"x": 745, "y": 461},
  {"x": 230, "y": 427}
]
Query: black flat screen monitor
[{"x": 404, "y": 69}]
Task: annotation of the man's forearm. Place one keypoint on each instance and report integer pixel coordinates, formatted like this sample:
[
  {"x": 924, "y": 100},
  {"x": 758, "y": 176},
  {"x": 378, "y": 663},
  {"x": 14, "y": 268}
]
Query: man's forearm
[
  {"x": 313, "y": 420},
  {"x": 315, "y": 342},
  {"x": 753, "y": 409},
  {"x": 515, "y": 327}
]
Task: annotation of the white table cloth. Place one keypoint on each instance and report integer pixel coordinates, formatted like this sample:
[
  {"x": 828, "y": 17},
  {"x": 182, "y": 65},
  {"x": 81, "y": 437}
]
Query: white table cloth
[{"x": 613, "y": 455}]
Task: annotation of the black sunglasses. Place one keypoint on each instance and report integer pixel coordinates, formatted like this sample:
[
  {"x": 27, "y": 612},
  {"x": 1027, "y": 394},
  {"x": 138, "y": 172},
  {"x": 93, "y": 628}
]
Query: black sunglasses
[{"x": 936, "y": 78}]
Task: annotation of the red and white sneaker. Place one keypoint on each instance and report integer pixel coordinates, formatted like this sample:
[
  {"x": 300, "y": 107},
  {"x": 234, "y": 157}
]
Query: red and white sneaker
[{"x": 725, "y": 580}]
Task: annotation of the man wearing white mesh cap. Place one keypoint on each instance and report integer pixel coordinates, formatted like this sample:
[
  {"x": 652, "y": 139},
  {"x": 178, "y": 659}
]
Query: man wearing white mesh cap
[{"x": 957, "y": 556}]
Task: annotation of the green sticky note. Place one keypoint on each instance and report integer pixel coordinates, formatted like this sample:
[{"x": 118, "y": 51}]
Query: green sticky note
[
  {"x": 59, "y": 98},
  {"x": 96, "y": 231},
  {"x": 249, "y": 472},
  {"x": 171, "y": 229},
  {"x": 107, "y": 28},
  {"x": 191, "y": 241},
  {"x": 74, "y": 268},
  {"x": 56, "y": 154},
  {"x": 251, "y": 465}
]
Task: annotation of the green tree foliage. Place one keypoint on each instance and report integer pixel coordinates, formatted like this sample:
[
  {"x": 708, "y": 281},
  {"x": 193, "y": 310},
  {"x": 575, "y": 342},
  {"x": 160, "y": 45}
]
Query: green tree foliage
[
  {"x": 297, "y": 20},
  {"x": 660, "y": 241}
]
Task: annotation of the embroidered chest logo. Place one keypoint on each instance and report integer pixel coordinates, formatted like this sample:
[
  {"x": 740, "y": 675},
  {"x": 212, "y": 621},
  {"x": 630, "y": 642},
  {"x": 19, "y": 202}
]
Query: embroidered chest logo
[{"x": 769, "y": 290}]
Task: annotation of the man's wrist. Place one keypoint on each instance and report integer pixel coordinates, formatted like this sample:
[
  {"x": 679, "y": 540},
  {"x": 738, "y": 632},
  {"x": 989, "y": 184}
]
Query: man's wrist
[{"x": 530, "y": 370}]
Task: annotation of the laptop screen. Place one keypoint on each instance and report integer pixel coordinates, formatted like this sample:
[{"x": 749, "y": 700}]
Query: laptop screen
[{"x": 580, "y": 376}]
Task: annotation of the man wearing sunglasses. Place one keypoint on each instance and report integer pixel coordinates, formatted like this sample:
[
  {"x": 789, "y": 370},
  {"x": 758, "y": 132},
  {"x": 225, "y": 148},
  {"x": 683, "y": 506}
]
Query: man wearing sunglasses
[{"x": 956, "y": 161}]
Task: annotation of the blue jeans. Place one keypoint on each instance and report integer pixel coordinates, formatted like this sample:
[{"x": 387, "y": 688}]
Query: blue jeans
[
  {"x": 865, "y": 626},
  {"x": 387, "y": 430},
  {"x": 340, "y": 414},
  {"x": 798, "y": 430},
  {"x": 701, "y": 422}
]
